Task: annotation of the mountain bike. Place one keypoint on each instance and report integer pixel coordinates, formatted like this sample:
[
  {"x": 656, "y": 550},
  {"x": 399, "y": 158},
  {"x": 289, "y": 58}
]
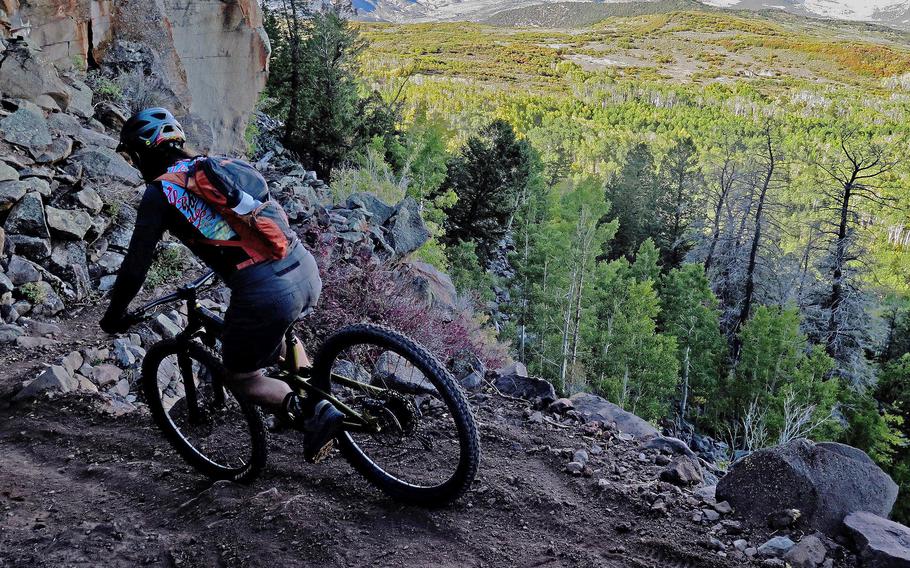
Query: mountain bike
[{"x": 408, "y": 428}]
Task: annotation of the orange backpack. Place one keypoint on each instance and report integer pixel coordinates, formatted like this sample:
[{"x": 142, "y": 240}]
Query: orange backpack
[{"x": 228, "y": 202}]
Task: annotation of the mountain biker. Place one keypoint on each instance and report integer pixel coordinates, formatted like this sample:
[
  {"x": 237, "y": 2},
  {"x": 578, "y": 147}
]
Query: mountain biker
[{"x": 267, "y": 297}]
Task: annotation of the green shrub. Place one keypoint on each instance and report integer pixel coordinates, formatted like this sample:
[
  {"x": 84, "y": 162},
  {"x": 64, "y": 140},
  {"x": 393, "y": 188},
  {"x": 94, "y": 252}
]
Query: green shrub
[
  {"x": 168, "y": 266},
  {"x": 33, "y": 292}
]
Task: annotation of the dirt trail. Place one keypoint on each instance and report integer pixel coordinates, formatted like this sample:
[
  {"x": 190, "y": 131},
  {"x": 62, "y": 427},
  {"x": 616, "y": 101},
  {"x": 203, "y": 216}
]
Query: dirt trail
[{"x": 82, "y": 489}]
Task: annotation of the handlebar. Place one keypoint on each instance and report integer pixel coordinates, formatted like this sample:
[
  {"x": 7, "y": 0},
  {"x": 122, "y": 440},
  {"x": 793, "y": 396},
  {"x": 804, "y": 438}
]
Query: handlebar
[{"x": 184, "y": 292}]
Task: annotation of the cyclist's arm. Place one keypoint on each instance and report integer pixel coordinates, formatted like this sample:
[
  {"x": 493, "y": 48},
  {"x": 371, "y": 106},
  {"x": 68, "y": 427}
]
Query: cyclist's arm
[{"x": 150, "y": 226}]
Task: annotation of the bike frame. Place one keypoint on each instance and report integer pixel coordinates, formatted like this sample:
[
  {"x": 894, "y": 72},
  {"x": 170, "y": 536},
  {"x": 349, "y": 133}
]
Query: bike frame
[{"x": 206, "y": 325}]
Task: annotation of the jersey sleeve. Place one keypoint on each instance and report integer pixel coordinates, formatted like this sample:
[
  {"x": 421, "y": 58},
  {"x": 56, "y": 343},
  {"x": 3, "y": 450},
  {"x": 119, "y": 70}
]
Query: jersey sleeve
[{"x": 150, "y": 226}]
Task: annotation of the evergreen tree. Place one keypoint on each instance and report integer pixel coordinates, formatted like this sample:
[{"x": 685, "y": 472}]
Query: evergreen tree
[
  {"x": 779, "y": 390},
  {"x": 315, "y": 86},
  {"x": 634, "y": 194},
  {"x": 689, "y": 313},
  {"x": 492, "y": 175},
  {"x": 629, "y": 362},
  {"x": 681, "y": 181}
]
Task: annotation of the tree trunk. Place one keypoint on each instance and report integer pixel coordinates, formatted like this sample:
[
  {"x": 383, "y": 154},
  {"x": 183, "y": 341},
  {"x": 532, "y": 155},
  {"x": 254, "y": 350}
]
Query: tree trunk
[
  {"x": 837, "y": 272},
  {"x": 684, "y": 395},
  {"x": 725, "y": 185},
  {"x": 753, "y": 249},
  {"x": 293, "y": 24}
]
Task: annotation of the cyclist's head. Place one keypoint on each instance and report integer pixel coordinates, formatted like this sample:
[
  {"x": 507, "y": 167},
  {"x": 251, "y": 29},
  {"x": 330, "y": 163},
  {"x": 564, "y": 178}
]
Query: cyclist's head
[{"x": 154, "y": 140}]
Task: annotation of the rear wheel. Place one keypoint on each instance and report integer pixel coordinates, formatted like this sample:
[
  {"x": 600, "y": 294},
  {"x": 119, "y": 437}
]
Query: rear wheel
[
  {"x": 218, "y": 434},
  {"x": 427, "y": 450}
]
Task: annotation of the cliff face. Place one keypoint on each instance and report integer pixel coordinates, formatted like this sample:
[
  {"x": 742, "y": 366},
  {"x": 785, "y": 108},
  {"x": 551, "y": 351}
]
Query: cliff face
[{"x": 211, "y": 54}]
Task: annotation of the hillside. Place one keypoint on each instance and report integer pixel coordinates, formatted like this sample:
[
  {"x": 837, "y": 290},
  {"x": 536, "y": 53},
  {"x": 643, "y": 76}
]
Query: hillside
[
  {"x": 665, "y": 44},
  {"x": 549, "y": 13}
]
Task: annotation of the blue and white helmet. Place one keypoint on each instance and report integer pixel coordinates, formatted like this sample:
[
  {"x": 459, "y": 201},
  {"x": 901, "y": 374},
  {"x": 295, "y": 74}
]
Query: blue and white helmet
[{"x": 150, "y": 128}]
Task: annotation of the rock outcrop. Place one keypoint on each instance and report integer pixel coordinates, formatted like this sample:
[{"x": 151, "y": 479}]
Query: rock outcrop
[
  {"x": 824, "y": 481},
  {"x": 201, "y": 48},
  {"x": 593, "y": 407}
]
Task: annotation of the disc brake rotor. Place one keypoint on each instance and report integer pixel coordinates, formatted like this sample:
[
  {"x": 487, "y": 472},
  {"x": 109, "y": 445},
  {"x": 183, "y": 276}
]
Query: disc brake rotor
[{"x": 396, "y": 417}]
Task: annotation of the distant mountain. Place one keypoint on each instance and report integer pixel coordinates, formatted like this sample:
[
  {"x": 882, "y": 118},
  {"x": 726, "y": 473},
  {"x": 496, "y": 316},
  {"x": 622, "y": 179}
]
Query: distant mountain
[{"x": 893, "y": 13}]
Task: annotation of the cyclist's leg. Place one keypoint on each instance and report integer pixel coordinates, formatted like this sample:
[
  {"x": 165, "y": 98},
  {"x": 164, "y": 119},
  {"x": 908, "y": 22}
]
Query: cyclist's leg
[
  {"x": 256, "y": 321},
  {"x": 257, "y": 387}
]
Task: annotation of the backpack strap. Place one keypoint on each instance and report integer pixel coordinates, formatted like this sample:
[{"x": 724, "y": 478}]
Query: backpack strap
[{"x": 181, "y": 179}]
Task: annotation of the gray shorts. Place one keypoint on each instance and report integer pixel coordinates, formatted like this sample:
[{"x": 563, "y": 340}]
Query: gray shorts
[{"x": 266, "y": 300}]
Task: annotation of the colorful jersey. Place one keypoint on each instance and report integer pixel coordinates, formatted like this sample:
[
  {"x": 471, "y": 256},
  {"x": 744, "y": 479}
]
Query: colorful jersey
[{"x": 196, "y": 210}]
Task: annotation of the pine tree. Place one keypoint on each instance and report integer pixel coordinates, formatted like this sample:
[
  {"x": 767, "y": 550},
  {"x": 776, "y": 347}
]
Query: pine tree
[
  {"x": 634, "y": 194},
  {"x": 492, "y": 175},
  {"x": 689, "y": 313}
]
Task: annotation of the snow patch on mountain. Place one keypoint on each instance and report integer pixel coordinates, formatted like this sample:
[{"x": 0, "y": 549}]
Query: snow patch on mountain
[{"x": 856, "y": 10}]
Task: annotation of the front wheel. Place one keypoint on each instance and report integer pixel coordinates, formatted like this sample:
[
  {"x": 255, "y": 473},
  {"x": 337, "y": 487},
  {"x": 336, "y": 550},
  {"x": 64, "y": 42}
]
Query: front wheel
[
  {"x": 427, "y": 449},
  {"x": 221, "y": 436}
]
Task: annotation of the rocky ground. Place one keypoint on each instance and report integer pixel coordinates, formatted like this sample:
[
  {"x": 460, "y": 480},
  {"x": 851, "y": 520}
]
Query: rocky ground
[{"x": 83, "y": 488}]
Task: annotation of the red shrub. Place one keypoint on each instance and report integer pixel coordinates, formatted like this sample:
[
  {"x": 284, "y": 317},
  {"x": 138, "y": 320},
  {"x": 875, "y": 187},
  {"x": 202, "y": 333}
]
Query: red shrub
[{"x": 363, "y": 289}]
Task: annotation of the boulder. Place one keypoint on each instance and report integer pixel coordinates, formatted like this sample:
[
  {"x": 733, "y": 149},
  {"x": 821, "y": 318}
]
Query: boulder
[
  {"x": 810, "y": 552},
  {"x": 27, "y": 128},
  {"x": 64, "y": 124},
  {"x": 25, "y": 75},
  {"x": 29, "y": 342},
  {"x": 9, "y": 333},
  {"x": 72, "y": 362},
  {"x": 880, "y": 543},
  {"x": 90, "y": 200},
  {"x": 825, "y": 481},
  {"x": 104, "y": 165},
  {"x": 561, "y": 406},
  {"x": 55, "y": 378},
  {"x": 27, "y": 217},
  {"x": 466, "y": 362},
  {"x": 472, "y": 381},
  {"x": 468, "y": 369},
  {"x": 776, "y": 547},
  {"x": 682, "y": 471},
  {"x": 67, "y": 253},
  {"x": 8, "y": 173},
  {"x": 10, "y": 194},
  {"x": 109, "y": 263},
  {"x": 47, "y": 303},
  {"x": 89, "y": 138},
  {"x": 56, "y": 151},
  {"x": 70, "y": 224},
  {"x": 395, "y": 371},
  {"x": 20, "y": 271},
  {"x": 514, "y": 381},
  {"x": 593, "y": 407},
  {"x": 380, "y": 211},
  {"x": 34, "y": 248},
  {"x": 80, "y": 102},
  {"x": 407, "y": 231},
  {"x": 111, "y": 115},
  {"x": 105, "y": 374},
  {"x": 34, "y": 183},
  {"x": 41, "y": 327},
  {"x": 161, "y": 323},
  {"x": 433, "y": 285},
  {"x": 123, "y": 355}
]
